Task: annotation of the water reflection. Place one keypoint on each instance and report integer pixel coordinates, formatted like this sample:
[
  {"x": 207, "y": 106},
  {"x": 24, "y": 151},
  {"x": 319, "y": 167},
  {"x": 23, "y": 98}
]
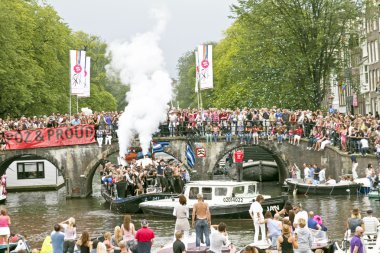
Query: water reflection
[{"x": 35, "y": 213}]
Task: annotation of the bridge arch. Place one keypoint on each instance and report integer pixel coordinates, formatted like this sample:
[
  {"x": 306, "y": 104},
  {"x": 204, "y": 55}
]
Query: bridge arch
[{"x": 276, "y": 154}]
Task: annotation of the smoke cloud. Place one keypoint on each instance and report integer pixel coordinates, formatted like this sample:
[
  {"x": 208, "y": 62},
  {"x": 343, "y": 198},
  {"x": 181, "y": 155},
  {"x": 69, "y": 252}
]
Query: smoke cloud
[{"x": 140, "y": 64}]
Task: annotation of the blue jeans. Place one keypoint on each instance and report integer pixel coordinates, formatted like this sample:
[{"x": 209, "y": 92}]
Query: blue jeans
[
  {"x": 201, "y": 227},
  {"x": 228, "y": 137}
]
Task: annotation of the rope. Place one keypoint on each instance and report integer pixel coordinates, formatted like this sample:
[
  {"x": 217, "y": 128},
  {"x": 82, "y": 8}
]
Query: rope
[
  {"x": 307, "y": 190},
  {"x": 332, "y": 189}
]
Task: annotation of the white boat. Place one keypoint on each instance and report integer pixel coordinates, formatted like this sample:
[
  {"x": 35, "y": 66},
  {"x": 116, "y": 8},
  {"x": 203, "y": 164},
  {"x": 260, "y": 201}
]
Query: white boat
[{"x": 227, "y": 199}]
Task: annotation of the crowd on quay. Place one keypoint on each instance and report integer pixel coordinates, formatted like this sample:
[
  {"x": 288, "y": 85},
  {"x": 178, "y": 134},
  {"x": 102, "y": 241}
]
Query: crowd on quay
[{"x": 143, "y": 175}]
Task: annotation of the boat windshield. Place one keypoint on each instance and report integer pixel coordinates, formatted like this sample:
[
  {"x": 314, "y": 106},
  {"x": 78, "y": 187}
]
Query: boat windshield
[
  {"x": 207, "y": 193},
  {"x": 220, "y": 191},
  {"x": 238, "y": 190},
  {"x": 252, "y": 189},
  {"x": 193, "y": 192}
]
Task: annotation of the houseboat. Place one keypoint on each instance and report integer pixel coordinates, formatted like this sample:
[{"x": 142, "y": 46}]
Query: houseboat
[{"x": 33, "y": 174}]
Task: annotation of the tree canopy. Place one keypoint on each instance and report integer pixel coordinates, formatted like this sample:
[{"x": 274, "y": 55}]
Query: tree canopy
[
  {"x": 34, "y": 62},
  {"x": 278, "y": 52}
]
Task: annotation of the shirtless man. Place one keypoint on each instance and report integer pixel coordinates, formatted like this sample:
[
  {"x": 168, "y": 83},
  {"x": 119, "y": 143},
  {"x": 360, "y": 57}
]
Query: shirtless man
[{"x": 203, "y": 219}]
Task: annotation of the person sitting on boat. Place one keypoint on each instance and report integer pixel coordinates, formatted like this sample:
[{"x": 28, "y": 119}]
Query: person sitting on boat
[
  {"x": 287, "y": 242},
  {"x": 330, "y": 181},
  {"x": 256, "y": 212},
  {"x": 319, "y": 220},
  {"x": 300, "y": 213},
  {"x": 370, "y": 223},
  {"x": 304, "y": 237},
  {"x": 218, "y": 237},
  {"x": 178, "y": 245},
  {"x": 354, "y": 221},
  {"x": 312, "y": 223},
  {"x": 285, "y": 210},
  {"x": 274, "y": 227},
  {"x": 253, "y": 249}
]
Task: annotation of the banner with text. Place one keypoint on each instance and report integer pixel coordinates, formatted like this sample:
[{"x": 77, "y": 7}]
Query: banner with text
[
  {"x": 50, "y": 137},
  {"x": 205, "y": 67},
  {"x": 77, "y": 70},
  {"x": 86, "y": 88}
]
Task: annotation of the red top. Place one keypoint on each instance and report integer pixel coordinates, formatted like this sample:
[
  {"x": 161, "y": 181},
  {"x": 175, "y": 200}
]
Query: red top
[
  {"x": 4, "y": 221},
  {"x": 144, "y": 234},
  {"x": 239, "y": 156}
]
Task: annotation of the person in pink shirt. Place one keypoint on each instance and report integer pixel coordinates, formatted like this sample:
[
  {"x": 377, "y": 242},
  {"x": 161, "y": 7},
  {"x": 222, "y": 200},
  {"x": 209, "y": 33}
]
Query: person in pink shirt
[{"x": 5, "y": 221}]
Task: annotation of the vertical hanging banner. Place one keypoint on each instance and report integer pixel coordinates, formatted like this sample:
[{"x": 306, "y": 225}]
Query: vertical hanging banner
[
  {"x": 87, "y": 84},
  {"x": 196, "y": 71},
  {"x": 77, "y": 69},
  {"x": 205, "y": 67}
]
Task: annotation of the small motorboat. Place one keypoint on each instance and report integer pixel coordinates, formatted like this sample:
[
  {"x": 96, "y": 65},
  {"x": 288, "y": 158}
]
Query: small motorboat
[{"x": 341, "y": 188}]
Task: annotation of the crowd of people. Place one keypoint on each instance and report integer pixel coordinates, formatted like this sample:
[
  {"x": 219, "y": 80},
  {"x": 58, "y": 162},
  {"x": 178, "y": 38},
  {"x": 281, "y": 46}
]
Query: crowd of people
[
  {"x": 351, "y": 133},
  {"x": 139, "y": 176}
]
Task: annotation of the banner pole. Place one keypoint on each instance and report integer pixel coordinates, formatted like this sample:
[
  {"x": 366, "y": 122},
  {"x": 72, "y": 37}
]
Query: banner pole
[{"x": 77, "y": 103}]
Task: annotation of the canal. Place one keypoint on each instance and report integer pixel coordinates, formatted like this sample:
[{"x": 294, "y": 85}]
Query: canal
[{"x": 35, "y": 213}]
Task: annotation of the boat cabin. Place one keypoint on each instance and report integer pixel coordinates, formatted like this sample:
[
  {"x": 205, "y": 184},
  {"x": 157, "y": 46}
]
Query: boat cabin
[{"x": 214, "y": 190}]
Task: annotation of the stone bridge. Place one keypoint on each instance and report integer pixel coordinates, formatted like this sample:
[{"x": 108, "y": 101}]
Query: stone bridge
[{"x": 78, "y": 163}]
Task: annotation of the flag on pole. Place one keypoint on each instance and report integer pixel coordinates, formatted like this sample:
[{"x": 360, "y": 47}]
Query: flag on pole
[
  {"x": 77, "y": 69},
  {"x": 190, "y": 156},
  {"x": 87, "y": 83},
  {"x": 196, "y": 72},
  {"x": 205, "y": 67}
]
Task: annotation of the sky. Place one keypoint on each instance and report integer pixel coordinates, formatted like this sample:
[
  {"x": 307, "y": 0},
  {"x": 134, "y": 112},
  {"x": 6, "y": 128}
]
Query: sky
[{"x": 191, "y": 22}]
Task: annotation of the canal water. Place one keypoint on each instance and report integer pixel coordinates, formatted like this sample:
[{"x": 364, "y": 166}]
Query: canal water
[{"x": 35, "y": 213}]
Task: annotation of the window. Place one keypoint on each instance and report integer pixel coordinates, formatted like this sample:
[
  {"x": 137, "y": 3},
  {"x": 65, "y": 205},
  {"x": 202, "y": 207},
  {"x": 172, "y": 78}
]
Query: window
[
  {"x": 30, "y": 170},
  {"x": 207, "y": 193},
  {"x": 251, "y": 189},
  {"x": 238, "y": 190},
  {"x": 193, "y": 192},
  {"x": 220, "y": 191}
]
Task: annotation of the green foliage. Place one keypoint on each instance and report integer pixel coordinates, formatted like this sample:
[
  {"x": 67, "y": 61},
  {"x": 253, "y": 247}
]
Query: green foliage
[
  {"x": 279, "y": 52},
  {"x": 34, "y": 62}
]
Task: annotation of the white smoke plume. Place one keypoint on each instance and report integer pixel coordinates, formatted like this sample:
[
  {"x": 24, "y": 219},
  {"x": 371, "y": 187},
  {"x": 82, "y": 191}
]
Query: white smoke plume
[{"x": 140, "y": 64}]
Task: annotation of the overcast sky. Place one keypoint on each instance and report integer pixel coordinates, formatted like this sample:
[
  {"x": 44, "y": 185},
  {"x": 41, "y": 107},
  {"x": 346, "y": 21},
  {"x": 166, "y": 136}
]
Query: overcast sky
[{"x": 191, "y": 22}]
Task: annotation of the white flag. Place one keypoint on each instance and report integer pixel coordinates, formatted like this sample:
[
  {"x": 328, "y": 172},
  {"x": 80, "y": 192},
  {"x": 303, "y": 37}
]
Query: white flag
[
  {"x": 196, "y": 71},
  {"x": 77, "y": 69},
  {"x": 205, "y": 67},
  {"x": 87, "y": 84}
]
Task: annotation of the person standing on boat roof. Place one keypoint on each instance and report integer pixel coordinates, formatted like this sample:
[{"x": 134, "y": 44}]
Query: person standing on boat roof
[
  {"x": 256, "y": 212},
  {"x": 354, "y": 167},
  {"x": 160, "y": 175},
  {"x": 201, "y": 218},
  {"x": 305, "y": 172}
]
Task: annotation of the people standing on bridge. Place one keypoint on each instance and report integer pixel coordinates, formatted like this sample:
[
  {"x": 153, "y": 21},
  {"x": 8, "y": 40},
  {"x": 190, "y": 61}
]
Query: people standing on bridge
[
  {"x": 99, "y": 136},
  {"x": 108, "y": 135},
  {"x": 70, "y": 231},
  {"x": 256, "y": 212},
  {"x": 201, "y": 220}
]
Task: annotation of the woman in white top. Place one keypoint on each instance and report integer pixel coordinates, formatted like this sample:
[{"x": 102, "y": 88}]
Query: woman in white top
[
  {"x": 70, "y": 235},
  {"x": 182, "y": 222},
  {"x": 128, "y": 229}
]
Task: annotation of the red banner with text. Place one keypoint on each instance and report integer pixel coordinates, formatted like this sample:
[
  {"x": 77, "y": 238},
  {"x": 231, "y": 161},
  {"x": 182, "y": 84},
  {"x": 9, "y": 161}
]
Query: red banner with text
[{"x": 50, "y": 137}]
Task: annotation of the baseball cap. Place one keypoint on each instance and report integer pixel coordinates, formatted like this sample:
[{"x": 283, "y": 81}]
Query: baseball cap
[{"x": 144, "y": 223}]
